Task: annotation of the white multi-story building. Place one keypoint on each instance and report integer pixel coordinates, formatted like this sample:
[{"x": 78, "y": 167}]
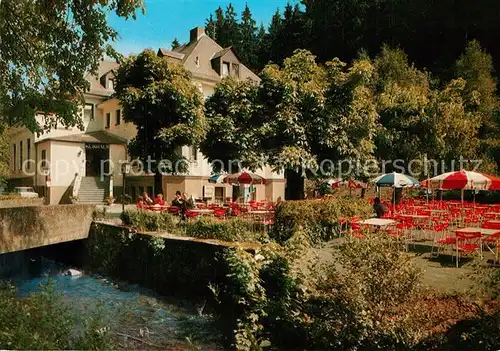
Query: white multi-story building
[{"x": 70, "y": 161}]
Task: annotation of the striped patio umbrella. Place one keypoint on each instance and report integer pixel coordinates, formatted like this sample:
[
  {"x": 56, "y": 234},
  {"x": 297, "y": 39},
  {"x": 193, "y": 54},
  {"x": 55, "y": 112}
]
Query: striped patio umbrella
[
  {"x": 217, "y": 178},
  {"x": 244, "y": 178},
  {"x": 396, "y": 180},
  {"x": 466, "y": 180}
]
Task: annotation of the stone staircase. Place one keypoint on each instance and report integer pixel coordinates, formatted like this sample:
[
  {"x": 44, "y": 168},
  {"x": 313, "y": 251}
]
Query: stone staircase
[{"x": 92, "y": 190}]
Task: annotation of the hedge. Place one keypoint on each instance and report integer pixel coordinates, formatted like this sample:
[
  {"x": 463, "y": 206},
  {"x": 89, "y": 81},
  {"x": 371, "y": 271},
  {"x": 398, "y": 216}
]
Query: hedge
[
  {"x": 231, "y": 229},
  {"x": 319, "y": 219}
]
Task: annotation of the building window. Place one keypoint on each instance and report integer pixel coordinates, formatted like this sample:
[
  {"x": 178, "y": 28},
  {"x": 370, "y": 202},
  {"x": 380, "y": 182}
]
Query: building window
[
  {"x": 235, "y": 70},
  {"x": 118, "y": 117},
  {"x": 44, "y": 160},
  {"x": 89, "y": 112},
  {"x": 225, "y": 69},
  {"x": 21, "y": 154},
  {"x": 197, "y": 61},
  {"x": 194, "y": 153},
  {"x": 28, "y": 152},
  {"x": 14, "y": 158},
  {"x": 108, "y": 120}
]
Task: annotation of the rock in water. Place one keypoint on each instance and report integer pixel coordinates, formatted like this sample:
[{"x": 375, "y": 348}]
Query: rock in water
[{"x": 73, "y": 272}]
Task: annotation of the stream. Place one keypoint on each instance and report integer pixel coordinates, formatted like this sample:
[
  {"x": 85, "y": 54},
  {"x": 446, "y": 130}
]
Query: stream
[{"x": 137, "y": 318}]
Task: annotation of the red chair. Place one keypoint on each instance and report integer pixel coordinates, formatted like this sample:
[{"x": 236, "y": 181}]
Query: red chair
[
  {"x": 173, "y": 210},
  {"x": 468, "y": 243},
  {"x": 191, "y": 214},
  {"x": 356, "y": 231},
  {"x": 220, "y": 213},
  {"x": 493, "y": 239}
]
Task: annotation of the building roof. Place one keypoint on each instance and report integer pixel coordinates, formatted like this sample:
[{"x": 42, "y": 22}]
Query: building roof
[
  {"x": 96, "y": 88},
  {"x": 222, "y": 52},
  {"x": 172, "y": 54},
  {"x": 99, "y": 137},
  {"x": 197, "y": 57}
]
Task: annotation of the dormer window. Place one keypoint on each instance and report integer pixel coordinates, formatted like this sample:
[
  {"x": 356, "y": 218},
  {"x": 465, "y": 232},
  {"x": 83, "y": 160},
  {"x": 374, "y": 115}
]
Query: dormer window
[
  {"x": 235, "y": 70},
  {"x": 197, "y": 61},
  {"x": 225, "y": 69}
]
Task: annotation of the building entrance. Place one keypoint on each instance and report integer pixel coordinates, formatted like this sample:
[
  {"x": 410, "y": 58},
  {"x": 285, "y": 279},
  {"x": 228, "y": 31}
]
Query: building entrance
[{"x": 96, "y": 159}]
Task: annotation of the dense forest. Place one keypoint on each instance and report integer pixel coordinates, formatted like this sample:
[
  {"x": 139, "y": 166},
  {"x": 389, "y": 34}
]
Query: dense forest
[
  {"x": 432, "y": 33},
  {"x": 391, "y": 79}
]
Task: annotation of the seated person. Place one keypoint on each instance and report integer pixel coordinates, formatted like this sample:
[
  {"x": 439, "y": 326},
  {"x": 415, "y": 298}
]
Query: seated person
[
  {"x": 177, "y": 201},
  {"x": 188, "y": 202},
  {"x": 140, "y": 202},
  {"x": 159, "y": 200},
  {"x": 147, "y": 200},
  {"x": 379, "y": 208}
]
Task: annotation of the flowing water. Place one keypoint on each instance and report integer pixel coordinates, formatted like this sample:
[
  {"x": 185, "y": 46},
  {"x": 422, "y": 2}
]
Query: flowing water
[{"x": 136, "y": 317}]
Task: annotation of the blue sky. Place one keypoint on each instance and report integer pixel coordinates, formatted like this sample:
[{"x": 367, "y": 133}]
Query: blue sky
[{"x": 165, "y": 20}]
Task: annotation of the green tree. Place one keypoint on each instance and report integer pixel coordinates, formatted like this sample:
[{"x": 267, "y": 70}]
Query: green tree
[
  {"x": 160, "y": 98},
  {"x": 475, "y": 66},
  {"x": 219, "y": 31},
  {"x": 230, "y": 31},
  {"x": 231, "y": 117},
  {"x": 262, "y": 48},
  {"x": 402, "y": 95},
  {"x": 453, "y": 129},
  {"x": 175, "y": 44},
  {"x": 47, "y": 48},
  {"x": 291, "y": 97},
  {"x": 210, "y": 27},
  {"x": 267, "y": 50},
  {"x": 247, "y": 47},
  {"x": 4, "y": 152}
]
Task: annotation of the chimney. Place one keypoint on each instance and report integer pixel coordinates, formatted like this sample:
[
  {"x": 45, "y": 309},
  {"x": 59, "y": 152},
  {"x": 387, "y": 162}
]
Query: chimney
[{"x": 196, "y": 33}]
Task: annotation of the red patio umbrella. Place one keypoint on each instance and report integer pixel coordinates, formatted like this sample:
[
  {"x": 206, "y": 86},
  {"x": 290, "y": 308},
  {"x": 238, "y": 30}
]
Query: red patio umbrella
[
  {"x": 463, "y": 180},
  {"x": 244, "y": 178}
]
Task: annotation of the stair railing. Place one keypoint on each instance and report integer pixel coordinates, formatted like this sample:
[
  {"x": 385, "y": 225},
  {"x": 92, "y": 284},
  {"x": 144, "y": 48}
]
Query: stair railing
[{"x": 77, "y": 184}]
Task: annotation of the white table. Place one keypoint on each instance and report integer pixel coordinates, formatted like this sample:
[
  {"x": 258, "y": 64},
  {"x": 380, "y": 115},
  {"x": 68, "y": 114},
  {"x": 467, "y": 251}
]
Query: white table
[
  {"x": 203, "y": 211},
  {"x": 378, "y": 222},
  {"x": 483, "y": 231},
  {"x": 259, "y": 212}
]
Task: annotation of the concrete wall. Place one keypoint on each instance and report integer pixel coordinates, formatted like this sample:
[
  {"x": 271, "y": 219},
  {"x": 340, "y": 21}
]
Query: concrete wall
[
  {"x": 23, "y": 228},
  {"x": 117, "y": 154},
  {"x": 21, "y": 202}
]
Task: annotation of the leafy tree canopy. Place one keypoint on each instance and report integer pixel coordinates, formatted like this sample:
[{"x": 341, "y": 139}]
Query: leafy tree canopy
[
  {"x": 160, "y": 98},
  {"x": 47, "y": 48}
]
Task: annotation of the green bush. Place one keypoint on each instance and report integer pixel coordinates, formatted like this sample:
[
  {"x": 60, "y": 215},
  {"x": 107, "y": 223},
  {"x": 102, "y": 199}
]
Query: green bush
[
  {"x": 233, "y": 229},
  {"x": 150, "y": 221},
  {"x": 318, "y": 218},
  {"x": 364, "y": 301},
  {"x": 43, "y": 321}
]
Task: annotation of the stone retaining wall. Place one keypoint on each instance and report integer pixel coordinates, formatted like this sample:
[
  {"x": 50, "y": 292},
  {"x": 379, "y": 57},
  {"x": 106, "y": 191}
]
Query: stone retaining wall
[
  {"x": 27, "y": 227},
  {"x": 173, "y": 266},
  {"x": 21, "y": 202}
]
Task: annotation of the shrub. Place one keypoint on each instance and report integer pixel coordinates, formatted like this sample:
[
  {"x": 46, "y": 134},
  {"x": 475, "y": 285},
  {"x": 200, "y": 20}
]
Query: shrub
[
  {"x": 44, "y": 322},
  {"x": 364, "y": 299},
  {"x": 99, "y": 214},
  {"x": 233, "y": 229},
  {"x": 150, "y": 221},
  {"x": 318, "y": 218},
  {"x": 362, "y": 302}
]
